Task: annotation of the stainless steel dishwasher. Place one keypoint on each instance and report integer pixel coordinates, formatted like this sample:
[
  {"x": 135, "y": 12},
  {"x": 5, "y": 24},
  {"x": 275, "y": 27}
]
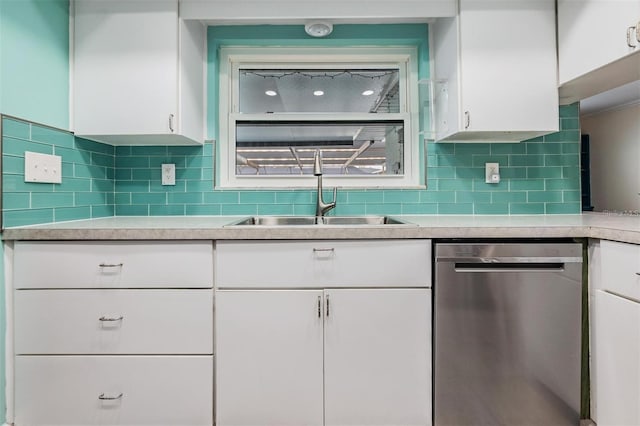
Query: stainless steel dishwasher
[{"x": 507, "y": 333}]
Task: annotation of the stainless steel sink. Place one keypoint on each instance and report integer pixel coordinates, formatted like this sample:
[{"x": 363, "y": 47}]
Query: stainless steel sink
[
  {"x": 277, "y": 221},
  {"x": 363, "y": 220}
]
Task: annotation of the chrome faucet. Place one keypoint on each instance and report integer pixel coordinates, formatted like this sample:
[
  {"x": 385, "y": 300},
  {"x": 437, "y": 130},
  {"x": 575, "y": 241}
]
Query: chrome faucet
[{"x": 321, "y": 206}]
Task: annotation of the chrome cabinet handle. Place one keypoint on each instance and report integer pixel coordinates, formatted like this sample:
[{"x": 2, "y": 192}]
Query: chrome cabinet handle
[
  {"x": 327, "y": 305},
  {"x": 111, "y": 265},
  {"x": 467, "y": 119},
  {"x": 638, "y": 32},
  {"x": 630, "y": 32},
  {"x": 109, "y": 398},
  {"x": 171, "y": 122},
  {"x": 319, "y": 306},
  {"x": 324, "y": 253},
  {"x": 110, "y": 319}
]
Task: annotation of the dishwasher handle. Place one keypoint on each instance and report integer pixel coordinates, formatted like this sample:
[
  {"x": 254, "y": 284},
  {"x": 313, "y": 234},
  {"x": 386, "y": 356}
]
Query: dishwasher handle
[
  {"x": 509, "y": 259},
  {"x": 509, "y": 266}
]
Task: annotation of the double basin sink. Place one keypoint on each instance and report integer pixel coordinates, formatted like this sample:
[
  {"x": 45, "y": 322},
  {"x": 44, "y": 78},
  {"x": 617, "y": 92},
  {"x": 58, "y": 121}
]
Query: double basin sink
[{"x": 274, "y": 221}]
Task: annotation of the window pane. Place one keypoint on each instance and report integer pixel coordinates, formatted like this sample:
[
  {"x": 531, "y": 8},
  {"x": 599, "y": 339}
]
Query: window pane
[
  {"x": 318, "y": 91},
  {"x": 348, "y": 148}
]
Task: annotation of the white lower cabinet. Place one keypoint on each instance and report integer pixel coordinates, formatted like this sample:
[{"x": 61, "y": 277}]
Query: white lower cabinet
[
  {"x": 113, "y": 390},
  {"x": 331, "y": 356},
  {"x": 113, "y": 333},
  {"x": 377, "y": 357},
  {"x": 615, "y": 334},
  {"x": 617, "y": 354},
  {"x": 268, "y": 357}
]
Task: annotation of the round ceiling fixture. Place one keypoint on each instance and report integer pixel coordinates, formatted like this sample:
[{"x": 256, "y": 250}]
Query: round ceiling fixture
[
  {"x": 367, "y": 93},
  {"x": 271, "y": 93},
  {"x": 318, "y": 92},
  {"x": 318, "y": 28}
]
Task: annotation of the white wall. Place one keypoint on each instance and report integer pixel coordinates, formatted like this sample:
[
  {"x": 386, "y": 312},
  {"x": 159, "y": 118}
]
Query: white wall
[{"x": 615, "y": 158}]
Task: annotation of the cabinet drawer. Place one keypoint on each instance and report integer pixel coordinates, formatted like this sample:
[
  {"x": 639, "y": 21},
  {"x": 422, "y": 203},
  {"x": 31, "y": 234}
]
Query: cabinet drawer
[
  {"x": 621, "y": 268},
  {"x": 304, "y": 264},
  {"x": 114, "y": 321},
  {"x": 175, "y": 264},
  {"x": 67, "y": 390}
]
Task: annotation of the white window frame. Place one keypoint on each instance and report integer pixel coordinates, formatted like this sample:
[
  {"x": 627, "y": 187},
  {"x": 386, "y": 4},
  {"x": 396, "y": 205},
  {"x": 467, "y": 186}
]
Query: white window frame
[{"x": 233, "y": 58}]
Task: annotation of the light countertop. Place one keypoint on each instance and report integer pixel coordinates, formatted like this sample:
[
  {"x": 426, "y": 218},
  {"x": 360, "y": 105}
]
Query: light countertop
[{"x": 625, "y": 228}]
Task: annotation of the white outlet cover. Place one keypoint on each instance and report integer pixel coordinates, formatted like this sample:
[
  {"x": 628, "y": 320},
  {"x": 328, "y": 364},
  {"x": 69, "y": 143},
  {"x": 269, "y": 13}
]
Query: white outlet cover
[
  {"x": 492, "y": 173},
  {"x": 42, "y": 168},
  {"x": 168, "y": 174}
]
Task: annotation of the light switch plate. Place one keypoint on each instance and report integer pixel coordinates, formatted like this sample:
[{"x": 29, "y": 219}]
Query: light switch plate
[
  {"x": 168, "y": 174},
  {"x": 492, "y": 173},
  {"x": 42, "y": 168}
]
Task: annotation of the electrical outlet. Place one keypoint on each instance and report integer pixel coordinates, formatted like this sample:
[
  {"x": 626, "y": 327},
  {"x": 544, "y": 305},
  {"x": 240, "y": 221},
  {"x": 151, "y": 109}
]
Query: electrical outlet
[
  {"x": 492, "y": 173},
  {"x": 42, "y": 168},
  {"x": 168, "y": 174}
]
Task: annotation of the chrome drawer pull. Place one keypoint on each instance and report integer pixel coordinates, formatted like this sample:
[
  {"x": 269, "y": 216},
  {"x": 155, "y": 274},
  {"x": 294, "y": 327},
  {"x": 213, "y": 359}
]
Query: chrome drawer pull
[
  {"x": 324, "y": 253},
  {"x": 110, "y": 319},
  {"x": 319, "y": 306},
  {"x": 109, "y": 398},
  {"x": 111, "y": 265},
  {"x": 323, "y": 250},
  {"x": 630, "y": 32}
]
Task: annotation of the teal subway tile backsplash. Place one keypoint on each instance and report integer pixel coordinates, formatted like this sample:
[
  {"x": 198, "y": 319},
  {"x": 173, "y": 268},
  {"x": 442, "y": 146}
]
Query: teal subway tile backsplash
[
  {"x": 562, "y": 208},
  {"x": 167, "y": 210},
  {"x": 455, "y": 208},
  {"x": 16, "y": 129},
  {"x": 27, "y": 217},
  {"x": 51, "y": 199},
  {"x": 72, "y": 213},
  {"x": 85, "y": 176},
  {"x": 52, "y": 137},
  {"x": 203, "y": 210},
  {"x": 491, "y": 208},
  {"x": 527, "y": 208},
  {"x": 544, "y": 196},
  {"x": 538, "y": 176},
  {"x": 131, "y": 210},
  {"x": 275, "y": 209}
]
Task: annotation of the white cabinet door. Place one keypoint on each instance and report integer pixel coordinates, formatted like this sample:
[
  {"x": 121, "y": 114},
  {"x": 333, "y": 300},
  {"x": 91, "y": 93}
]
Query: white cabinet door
[
  {"x": 617, "y": 360},
  {"x": 593, "y": 33},
  {"x": 114, "y": 390},
  {"x": 155, "y": 322},
  {"x": 136, "y": 65},
  {"x": 500, "y": 64},
  {"x": 378, "y": 357},
  {"x": 269, "y": 358}
]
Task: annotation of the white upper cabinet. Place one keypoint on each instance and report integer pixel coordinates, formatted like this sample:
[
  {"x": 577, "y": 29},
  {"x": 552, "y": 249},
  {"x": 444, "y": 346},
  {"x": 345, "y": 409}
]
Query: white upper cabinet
[
  {"x": 138, "y": 73},
  {"x": 260, "y": 11},
  {"x": 598, "y": 46},
  {"x": 499, "y": 63}
]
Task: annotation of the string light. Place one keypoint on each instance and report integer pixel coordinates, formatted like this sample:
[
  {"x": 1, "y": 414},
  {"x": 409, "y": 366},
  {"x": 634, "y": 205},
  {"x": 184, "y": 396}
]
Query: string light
[{"x": 327, "y": 74}]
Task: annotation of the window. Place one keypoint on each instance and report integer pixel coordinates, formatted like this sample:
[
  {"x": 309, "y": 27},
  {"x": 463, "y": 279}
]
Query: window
[{"x": 358, "y": 106}]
